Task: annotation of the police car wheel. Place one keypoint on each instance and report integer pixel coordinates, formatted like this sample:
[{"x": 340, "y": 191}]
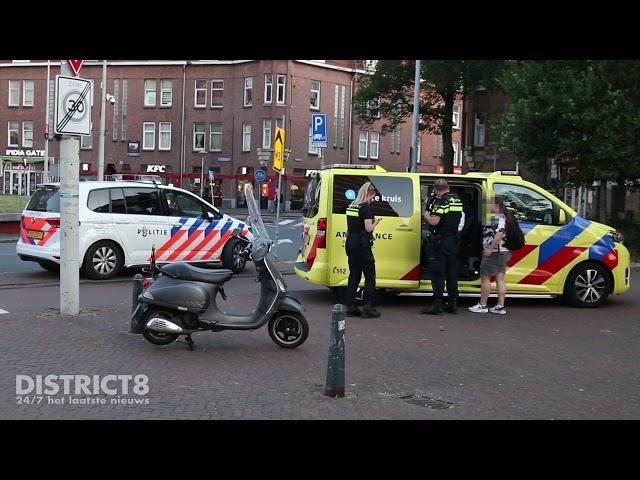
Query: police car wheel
[
  {"x": 588, "y": 285},
  {"x": 232, "y": 257},
  {"x": 103, "y": 260}
]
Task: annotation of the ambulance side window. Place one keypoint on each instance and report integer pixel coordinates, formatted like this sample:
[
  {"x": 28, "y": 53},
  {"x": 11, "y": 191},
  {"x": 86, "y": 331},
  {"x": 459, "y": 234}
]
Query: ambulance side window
[
  {"x": 527, "y": 205},
  {"x": 312, "y": 198},
  {"x": 394, "y": 195}
]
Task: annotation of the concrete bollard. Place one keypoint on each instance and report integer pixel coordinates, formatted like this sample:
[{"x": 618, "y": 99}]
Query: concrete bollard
[
  {"x": 136, "y": 323},
  {"x": 334, "y": 386}
]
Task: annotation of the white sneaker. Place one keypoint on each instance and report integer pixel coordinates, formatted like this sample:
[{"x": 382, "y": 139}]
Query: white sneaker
[
  {"x": 499, "y": 309},
  {"x": 478, "y": 308}
]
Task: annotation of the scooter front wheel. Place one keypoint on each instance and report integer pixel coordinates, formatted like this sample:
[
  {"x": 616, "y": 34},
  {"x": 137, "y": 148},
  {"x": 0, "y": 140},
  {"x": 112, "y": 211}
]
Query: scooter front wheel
[
  {"x": 158, "y": 338},
  {"x": 288, "y": 329}
]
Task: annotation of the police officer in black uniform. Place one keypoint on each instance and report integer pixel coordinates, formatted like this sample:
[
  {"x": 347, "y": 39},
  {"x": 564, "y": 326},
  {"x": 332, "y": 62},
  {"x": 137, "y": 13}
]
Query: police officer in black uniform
[
  {"x": 443, "y": 214},
  {"x": 360, "y": 225}
]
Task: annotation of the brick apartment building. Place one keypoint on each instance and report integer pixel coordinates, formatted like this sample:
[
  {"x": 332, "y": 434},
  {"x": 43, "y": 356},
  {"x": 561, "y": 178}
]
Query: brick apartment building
[{"x": 172, "y": 118}]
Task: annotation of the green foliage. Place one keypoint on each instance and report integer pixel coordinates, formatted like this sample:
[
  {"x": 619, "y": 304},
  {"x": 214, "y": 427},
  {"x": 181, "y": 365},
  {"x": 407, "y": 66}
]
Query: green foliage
[
  {"x": 13, "y": 203},
  {"x": 584, "y": 113},
  {"x": 388, "y": 94}
]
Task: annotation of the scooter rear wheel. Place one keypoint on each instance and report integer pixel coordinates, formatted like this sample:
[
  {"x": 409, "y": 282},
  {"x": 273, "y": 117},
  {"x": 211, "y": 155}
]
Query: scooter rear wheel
[
  {"x": 158, "y": 338},
  {"x": 288, "y": 329}
]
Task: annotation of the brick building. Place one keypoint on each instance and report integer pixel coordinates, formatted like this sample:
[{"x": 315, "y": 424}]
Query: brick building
[{"x": 181, "y": 119}]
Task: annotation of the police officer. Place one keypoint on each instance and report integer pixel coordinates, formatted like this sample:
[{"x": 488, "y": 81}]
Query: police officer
[
  {"x": 360, "y": 225},
  {"x": 444, "y": 215}
]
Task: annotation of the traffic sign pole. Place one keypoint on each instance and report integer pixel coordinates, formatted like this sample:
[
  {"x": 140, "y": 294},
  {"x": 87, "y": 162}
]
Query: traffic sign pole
[{"x": 69, "y": 221}]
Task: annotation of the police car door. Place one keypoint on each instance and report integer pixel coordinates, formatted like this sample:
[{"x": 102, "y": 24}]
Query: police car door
[
  {"x": 193, "y": 237},
  {"x": 139, "y": 220}
]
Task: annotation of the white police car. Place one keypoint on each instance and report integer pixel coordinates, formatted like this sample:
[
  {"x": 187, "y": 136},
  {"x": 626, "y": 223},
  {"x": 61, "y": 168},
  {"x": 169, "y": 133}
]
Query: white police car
[{"x": 120, "y": 222}]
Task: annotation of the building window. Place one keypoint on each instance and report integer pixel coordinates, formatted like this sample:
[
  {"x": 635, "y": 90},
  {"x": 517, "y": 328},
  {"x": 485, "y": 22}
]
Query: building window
[
  {"x": 27, "y": 93},
  {"x": 314, "y": 99},
  {"x": 198, "y": 136},
  {"x": 149, "y": 136},
  {"x": 374, "y": 146},
  {"x": 124, "y": 135},
  {"x": 27, "y": 134},
  {"x": 478, "y": 137},
  {"x": 362, "y": 144},
  {"x": 14, "y": 93},
  {"x": 200, "y": 94},
  {"x": 456, "y": 116},
  {"x": 14, "y": 134},
  {"x": 281, "y": 94},
  {"x": 248, "y": 88},
  {"x": 165, "y": 136},
  {"x": 126, "y": 167},
  {"x": 217, "y": 93},
  {"x": 437, "y": 146},
  {"x": 86, "y": 143},
  {"x": 456, "y": 155},
  {"x": 266, "y": 133},
  {"x": 395, "y": 140},
  {"x": 116, "y": 94},
  {"x": 85, "y": 168},
  {"x": 312, "y": 150},
  {"x": 149, "y": 93},
  {"x": 279, "y": 123},
  {"x": 166, "y": 93},
  {"x": 246, "y": 137},
  {"x": 343, "y": 91},
  {"x": 268, "y": 87},
  {"x": 215, "y": 137}
]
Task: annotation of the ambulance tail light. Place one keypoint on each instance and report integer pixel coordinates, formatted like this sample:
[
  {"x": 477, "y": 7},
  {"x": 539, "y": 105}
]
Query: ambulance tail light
[
  {"x": 54, "y": 222},
  {"x": 321, "y": 233}
]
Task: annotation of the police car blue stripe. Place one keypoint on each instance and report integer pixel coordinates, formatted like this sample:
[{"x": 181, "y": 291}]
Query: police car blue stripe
[
  {"x": 182, "y": 220},
  {"x": 211, "y": 226},
  {"x": 195, "y": 226},
  {"x": 226, "y": 227}
]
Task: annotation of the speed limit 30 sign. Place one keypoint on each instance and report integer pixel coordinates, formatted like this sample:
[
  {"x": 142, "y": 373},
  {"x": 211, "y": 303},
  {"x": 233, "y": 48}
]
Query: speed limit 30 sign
[{"x": 73, "y": 106}]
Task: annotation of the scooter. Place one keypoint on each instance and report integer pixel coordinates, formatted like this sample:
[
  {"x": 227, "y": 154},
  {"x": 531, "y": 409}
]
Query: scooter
[{"x": 180, "y": 299}]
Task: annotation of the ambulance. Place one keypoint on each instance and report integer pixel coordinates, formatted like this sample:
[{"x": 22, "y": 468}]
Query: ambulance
[
  {"x": 120, "y": 222},
  {"x": 564, "y": 254}
]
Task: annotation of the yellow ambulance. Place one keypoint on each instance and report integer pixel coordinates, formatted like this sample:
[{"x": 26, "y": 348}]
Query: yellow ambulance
[{"x": 564, "y": 254}]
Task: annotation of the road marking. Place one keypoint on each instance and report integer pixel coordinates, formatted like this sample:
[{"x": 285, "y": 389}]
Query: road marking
[
  {"x": 297, "y": 225},
  {"x": 2, "y": 312},
  {"x": 284, "y": 240},
  {"x": 286, "y": 222}
]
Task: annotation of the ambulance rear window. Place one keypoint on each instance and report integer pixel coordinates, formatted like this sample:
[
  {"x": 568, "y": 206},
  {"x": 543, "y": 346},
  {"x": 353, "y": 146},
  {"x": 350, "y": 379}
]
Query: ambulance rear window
[
  {"x": 311, "y": 198},
  {"x": 45, "y": 199}
]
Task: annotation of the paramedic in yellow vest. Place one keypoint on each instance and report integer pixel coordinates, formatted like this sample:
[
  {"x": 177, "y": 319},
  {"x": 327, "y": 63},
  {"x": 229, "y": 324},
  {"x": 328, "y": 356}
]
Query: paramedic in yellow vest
[
  {"x": 360, "y": 226},
  {"x": 444, "y": 216}
]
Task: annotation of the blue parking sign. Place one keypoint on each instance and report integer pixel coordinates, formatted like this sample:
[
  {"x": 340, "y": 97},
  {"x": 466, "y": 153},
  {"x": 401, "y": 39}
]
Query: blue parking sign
[{"x": 319, "y": 130}]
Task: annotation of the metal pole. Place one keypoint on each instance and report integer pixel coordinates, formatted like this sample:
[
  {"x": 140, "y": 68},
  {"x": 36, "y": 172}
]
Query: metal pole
[
  {"x": 416, "y": 111},
  {"x": 103, "y": 113},
  {"x": 334, "y": 386},
  {"x": 278, "y": 210},
  {"x": 69, "y": 239},
  {"x": 136, "y": 323},
  {"x": 46, "y": 125},
  {"x": 202, "y": 176},
  {"x": 321, "y": 158}
]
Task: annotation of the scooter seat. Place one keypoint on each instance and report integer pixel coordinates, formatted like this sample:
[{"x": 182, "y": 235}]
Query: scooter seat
[{"x": 184, "y": 271}]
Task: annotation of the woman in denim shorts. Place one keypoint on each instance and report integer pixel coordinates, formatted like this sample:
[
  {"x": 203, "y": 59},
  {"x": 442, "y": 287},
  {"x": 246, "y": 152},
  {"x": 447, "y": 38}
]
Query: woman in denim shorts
[{"x": 494, "y": 259}]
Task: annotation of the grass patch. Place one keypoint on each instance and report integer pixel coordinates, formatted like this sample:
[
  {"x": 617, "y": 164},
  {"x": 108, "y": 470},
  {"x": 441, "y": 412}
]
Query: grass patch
[{"x": 13, "y": 203}]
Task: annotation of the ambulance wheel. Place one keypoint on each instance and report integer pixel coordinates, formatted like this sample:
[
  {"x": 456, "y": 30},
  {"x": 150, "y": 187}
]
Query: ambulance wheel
[
  {"x": 232, "y": 257},
  {"x": 288, "y": 329},
  {"x": 587, "y": 286},
  {"x": 103, "y": 260}
]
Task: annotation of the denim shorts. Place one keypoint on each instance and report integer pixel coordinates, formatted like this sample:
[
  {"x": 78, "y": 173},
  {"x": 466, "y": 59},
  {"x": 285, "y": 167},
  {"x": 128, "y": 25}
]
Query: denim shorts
[{"x": 496, "y": 263}]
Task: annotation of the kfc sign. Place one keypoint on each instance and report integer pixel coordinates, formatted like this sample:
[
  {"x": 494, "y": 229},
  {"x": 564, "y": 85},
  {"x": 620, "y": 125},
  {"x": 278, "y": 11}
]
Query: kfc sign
[{"x": 156, "y": 168}]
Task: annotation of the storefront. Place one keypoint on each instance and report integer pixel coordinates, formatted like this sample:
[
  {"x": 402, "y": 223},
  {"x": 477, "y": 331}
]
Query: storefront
[{"x": 22, "y": 171}]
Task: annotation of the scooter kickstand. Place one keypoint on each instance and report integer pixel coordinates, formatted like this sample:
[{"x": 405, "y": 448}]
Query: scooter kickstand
[{"x": 189, "y": 341}]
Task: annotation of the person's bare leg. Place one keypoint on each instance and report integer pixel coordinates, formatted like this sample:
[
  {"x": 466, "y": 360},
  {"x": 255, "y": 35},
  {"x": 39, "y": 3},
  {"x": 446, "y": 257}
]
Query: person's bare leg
[
  {"x": 485, "y": 290},
  {"x": 502, "y": 288}
]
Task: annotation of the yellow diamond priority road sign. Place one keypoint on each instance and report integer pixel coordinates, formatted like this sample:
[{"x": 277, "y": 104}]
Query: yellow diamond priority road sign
[{"x": 278, "y": 150}]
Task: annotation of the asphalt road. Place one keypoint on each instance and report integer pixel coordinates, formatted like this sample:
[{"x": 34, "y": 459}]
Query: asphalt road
[{"x": 540, "y": 361}]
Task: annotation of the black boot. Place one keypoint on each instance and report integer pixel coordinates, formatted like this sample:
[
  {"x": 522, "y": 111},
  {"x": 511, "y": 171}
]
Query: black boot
[
  {"x": 368, "y": 311},
  {"x": 434, "y": 309},
  {"x": 353, "y": 311},
  {"x": 452, "y": 306}
]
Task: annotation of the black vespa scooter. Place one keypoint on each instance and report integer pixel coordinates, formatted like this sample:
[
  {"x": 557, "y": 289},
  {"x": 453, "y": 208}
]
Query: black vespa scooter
[{"x": 181, "y": 299}]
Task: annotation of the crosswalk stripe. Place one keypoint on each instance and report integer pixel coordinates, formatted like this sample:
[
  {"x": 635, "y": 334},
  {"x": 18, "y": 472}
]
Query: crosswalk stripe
[
  {"x": 286, "y": 222},
  {"x": 3, "y": 311},
  {"x": 284, "y": 240},
  {"x": 298, "y": 224}
]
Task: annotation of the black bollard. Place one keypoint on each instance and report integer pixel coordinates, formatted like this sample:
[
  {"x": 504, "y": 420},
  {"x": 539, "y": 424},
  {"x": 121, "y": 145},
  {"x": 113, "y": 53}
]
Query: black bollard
[
  {"x": 136, "y": 321},
  {"x": 335, "y": 367}
]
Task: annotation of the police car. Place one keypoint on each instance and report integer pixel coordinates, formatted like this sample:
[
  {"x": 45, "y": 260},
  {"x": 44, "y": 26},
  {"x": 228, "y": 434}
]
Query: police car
[{"x": 120, "y": 221}]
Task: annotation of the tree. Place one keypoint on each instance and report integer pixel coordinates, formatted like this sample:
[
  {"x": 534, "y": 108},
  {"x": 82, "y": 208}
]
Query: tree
[
  {"x": 387, "y": 94},
  {"x": 583, "y": 113}
]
